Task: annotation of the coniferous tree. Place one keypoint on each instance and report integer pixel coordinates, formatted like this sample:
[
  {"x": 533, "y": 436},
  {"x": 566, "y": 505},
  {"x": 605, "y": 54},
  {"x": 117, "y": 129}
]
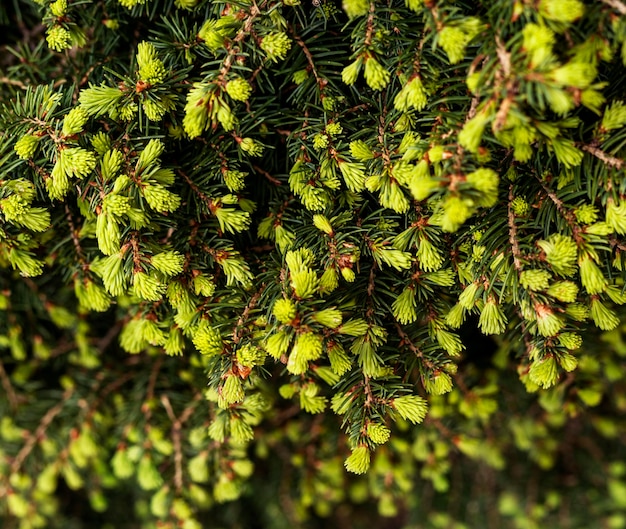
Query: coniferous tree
[{"x": 284, "y": 256}]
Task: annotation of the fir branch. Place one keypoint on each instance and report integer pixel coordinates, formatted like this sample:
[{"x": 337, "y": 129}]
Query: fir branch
[{"x": 152, "y": 83}]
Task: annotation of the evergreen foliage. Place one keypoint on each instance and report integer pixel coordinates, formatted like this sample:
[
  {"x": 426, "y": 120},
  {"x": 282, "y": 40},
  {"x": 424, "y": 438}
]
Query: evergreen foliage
[{"x": 250, "y": 253}]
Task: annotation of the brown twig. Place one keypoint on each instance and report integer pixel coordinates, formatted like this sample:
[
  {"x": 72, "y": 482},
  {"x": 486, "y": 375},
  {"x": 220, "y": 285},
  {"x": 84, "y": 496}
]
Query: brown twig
[
  {"x": 113, "y": 331},
  {"x": 307, "y": 53},
  {"x": 243, "y": 32},
  {"x": 244, "y": 315},
  {"x": 32, "y": 439},
  {"x": 381, "y": 138},
  {"x": 8, "y": 387},
  {"x": 74, "y": 235},
  {"x": 606, "y": 158},
  {"x": 177, "y": 424},
  {"x": 154, "y": 374},
  {"x": 207, "y": 201},
  {"x": 369, "y": 34},
  {"x": 404, "y": 337},
  {"x": 617, "y": 5},
  {"x": 515, "y": 251},
  {"x": 367, "y": 388},
  {"x": 178, "y": 452},
  {"x": 565, "y": 213},
  {"x": 503, "y": 56},
  {"x": 14, "y": 82},
  {"x": 274, "y": 181},
  {"x": 446, "y": 432},
  {"x": 120, "y": 381}
]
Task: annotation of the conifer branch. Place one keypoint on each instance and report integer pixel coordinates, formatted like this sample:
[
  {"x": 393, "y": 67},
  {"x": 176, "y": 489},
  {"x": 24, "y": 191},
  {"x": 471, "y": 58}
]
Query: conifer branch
[{"x": 345, "y": 194}]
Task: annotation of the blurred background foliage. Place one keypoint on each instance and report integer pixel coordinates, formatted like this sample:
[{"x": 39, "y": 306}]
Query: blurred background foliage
[{"x": 484, "y": 457}]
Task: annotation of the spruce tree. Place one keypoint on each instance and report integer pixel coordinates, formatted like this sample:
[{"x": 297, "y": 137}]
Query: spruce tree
[{"x": 295, "y": 259}]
